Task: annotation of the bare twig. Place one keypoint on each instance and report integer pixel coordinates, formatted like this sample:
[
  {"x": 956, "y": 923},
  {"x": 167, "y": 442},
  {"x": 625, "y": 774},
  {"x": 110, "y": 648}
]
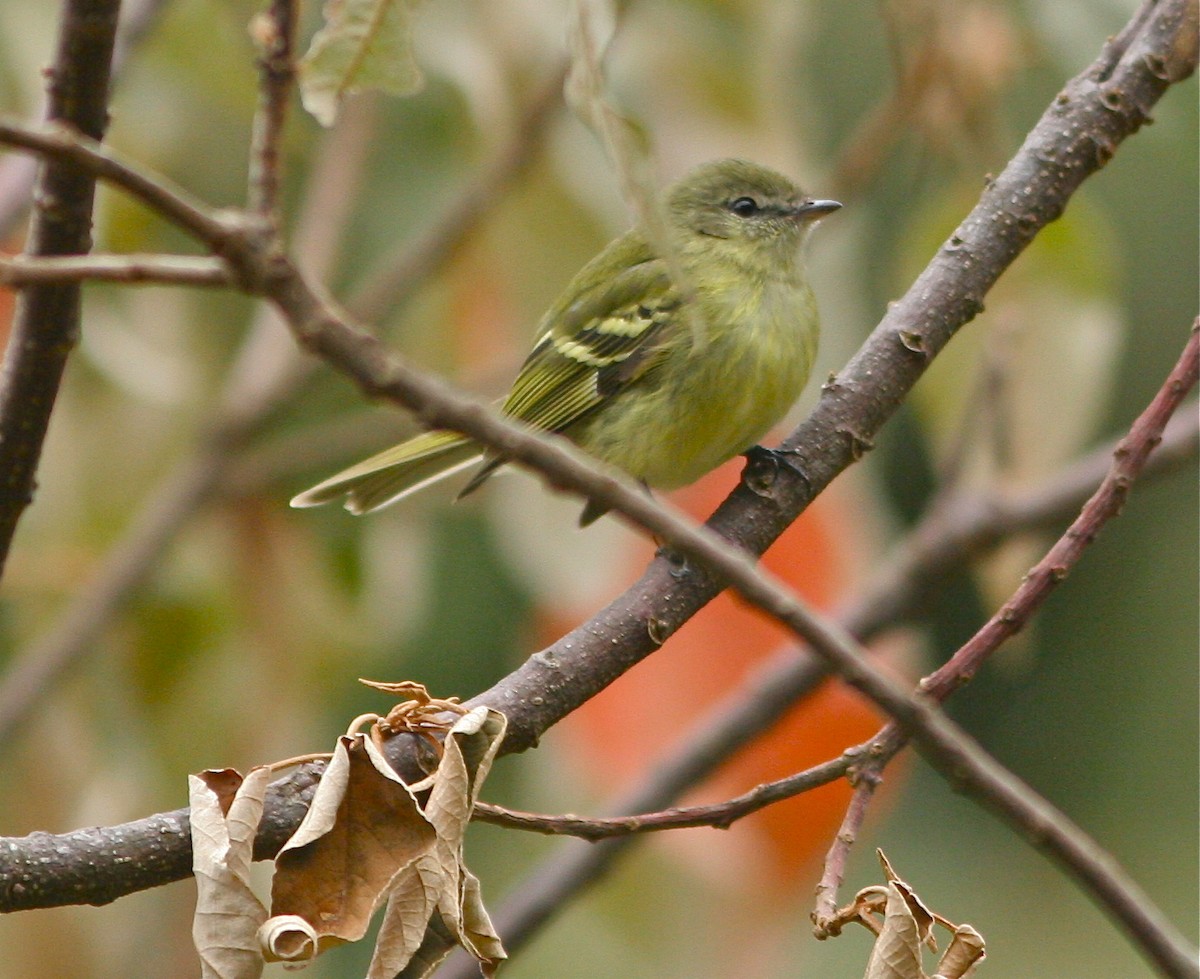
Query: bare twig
[
  {"x": 46, "y": 324},
  {"x": 182, "y": 270},
  {"x": 1103, "y": 877},
  {"x": 63, "y": 144},
  {"x": 274, "y": 33},
  {"x": 944, "y": 541},
  {"x": 1129, "y": 458},
  {"x": 17, "y": 173},
  {"x": 720, "y": 815}
]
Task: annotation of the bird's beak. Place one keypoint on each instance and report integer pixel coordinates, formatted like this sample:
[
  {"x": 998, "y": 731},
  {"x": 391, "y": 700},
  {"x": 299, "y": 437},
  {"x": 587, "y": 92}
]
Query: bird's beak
[{"x": 811, "y": 210}]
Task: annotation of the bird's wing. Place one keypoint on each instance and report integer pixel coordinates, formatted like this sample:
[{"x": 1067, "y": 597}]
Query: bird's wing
[{"x": 603, "y": 334}]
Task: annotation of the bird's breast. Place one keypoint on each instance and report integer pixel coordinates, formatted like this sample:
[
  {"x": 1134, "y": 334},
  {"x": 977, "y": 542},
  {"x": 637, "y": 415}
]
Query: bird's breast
[{"x": 747, "y": 356}]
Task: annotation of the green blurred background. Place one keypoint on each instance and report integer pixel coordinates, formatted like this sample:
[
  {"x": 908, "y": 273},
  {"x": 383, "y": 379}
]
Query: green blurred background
[{"x": 244, "y": 641}]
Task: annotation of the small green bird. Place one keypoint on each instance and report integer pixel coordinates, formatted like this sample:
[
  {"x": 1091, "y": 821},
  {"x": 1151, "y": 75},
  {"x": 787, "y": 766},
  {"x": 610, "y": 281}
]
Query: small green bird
[{"x": 664, "y": 379}]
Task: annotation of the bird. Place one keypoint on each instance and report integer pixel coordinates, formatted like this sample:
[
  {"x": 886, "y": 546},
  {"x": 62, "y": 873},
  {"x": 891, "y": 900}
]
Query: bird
[{"x": 665, "y": 356}]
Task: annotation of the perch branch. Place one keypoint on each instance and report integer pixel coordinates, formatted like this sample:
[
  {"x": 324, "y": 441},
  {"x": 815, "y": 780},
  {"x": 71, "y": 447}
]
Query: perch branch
[{"x": 938, "y": 547}]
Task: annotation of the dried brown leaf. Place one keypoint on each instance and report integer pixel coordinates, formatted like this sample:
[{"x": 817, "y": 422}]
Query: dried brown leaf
[
  {"x": 289, "y": 938},
  {"x": 480, "y": 934},
  {"x": 364, "y": 827},
  {"x": 408, "y": 689},
  {"x": 897, "y": 951},
  {"x": 411, "y": 903},
  {"x": 907, "y": 925},
  {"x": 367, "y": 838},
  {"x": 467, "y": 755},
  {"x": 225, "y": 813},
  {"x": 965, "y": 951}
]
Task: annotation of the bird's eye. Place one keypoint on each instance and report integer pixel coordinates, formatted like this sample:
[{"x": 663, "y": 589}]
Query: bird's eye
[{"x": 744, "y": 207}]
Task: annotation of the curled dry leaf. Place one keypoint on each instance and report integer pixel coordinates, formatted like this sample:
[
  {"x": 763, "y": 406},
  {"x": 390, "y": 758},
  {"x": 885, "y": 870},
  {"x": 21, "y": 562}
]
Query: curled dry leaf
[
  {"x": 962, "y": 954},
  {"x": 364, "y": 826},
  {"x": 907, "y": 925},
  {"x": 440, "y": 875},
  {"x": 418, "y": 714},
  {"x": 408, "y": 689},
  {"x": 369, "y": 838},
  {"x": 225, "y": 813},
  {"x": 288, "y": 938},
  {"x": 897, "y": 951}
]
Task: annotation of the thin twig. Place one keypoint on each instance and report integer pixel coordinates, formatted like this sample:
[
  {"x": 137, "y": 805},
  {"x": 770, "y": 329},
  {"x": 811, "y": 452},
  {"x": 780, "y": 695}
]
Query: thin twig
[
  {"x": 834, "y": 869},
  {"x": 942, "y": 543},
  {"x": 64, "y": 145},
  {"x": 1103, "y": 877},
  {"x": 1129, "y": 458},
  {"x": 17, "y": 173},
  {"x": 180, "y": 270},
  {"x": 720, "y": 815},
  {"x": 274, "y": 32}
]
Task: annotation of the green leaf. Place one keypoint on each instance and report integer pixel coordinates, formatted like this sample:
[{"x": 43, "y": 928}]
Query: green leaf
[{"x": 364, "y": 44}]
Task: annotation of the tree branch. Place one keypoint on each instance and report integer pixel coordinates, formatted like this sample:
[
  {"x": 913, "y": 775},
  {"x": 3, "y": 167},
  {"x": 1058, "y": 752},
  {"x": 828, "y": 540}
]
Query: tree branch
[
  {"x": 1095, "y": 112},
  {"x": 274, "y": 32},
  {"x": 46, "y": 324},
  {"x": 179, "y": 270},
  {"x": 1110, "y": 886},
  {"x": 938, "y": 547},
  {"x": 18, "y": 173},
  {"x": 262, "y": 375}
]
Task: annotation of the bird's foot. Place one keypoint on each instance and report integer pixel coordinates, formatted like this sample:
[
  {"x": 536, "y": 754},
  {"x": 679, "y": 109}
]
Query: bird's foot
[{"x": 763, "y": 466}]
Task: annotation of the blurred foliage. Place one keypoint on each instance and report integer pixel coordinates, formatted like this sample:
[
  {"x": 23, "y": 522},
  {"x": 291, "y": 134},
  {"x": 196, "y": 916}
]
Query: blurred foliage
[{"x": 244, "y": 644}]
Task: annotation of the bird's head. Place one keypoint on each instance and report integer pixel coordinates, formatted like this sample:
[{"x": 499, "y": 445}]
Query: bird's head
[{"x": 743, "y": 203}]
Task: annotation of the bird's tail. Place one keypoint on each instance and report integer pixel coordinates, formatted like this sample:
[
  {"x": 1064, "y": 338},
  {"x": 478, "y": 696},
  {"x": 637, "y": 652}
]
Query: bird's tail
[{"x": 395, "y": 472}]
